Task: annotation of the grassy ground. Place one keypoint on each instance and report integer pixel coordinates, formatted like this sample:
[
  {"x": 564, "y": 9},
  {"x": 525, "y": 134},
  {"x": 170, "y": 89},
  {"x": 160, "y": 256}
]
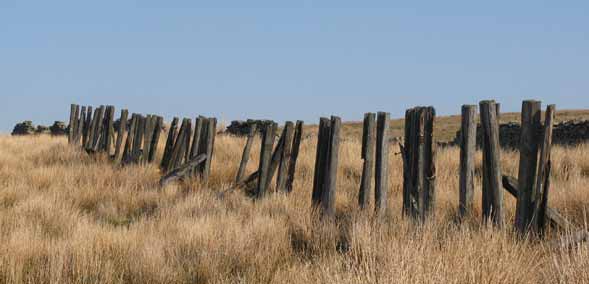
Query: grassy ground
[{"x": 69, "y": 218}]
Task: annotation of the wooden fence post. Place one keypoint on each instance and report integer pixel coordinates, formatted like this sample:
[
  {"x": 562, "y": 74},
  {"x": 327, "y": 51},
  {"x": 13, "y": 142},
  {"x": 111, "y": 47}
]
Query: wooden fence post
[
  {"x": 72, "y": 125},
  {"x": 147, "y": 136},
  {"x": 543, "y": 178},
  {"x": 87, "y": 123},
  {"x": 528, "y": 163},
  {"x": 330, "y": 184},
  {"x": 198, "y": 129},
  {"x": 172, "y": 133},
  {"x": 138, "y": 140},
  {"x": 285, "y": 156},
  {"x": 92, "y": 130},
  {"x": 79, "y": 126},
  {"x": 128, "y": 151},
  {"x": 210, "y": 131},
  {"x": 467, "y": 151},
  {"x": 296, "y": 144},
  {"x": 368, "y": 144},
  {"x": 159, "y": 123},
  {"x": 98, "y": 129},
  {"x": 265, "y": 157},
  {"x": 121, "y": 133},
  {"x": 492, "y": 193},
  {"x": 246, "y": 152},
  {"x": 109, "y": 129},
  {"x": 381, "y": 177},
  {"x": 177, "y": 151},
  {"x": 321, "y": 160}
]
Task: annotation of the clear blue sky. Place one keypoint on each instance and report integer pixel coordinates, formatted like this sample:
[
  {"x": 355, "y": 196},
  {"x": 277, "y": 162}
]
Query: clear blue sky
[{"x": 288, "y": 60}]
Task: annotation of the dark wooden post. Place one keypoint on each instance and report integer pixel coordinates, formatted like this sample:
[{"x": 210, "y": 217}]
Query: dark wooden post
[
  {"x": 109, "y": 129},
  {"x": 285, "y": 156},
  {"x": 246, "y": 152},
  {"x": 543, "y": 178},
  {"x": 428, "y": 195},
  {"x": 138, "y": 140},
  {"x": 296, "y": 144},
  {"x": 186, "y": 146},
  {"x": 128, "y": 151},
  {"x": 98, "y": 135},
  {"x": 79, "y": 126},
  {"x": 528, "y": 163},
  {"x": 177, "y": 152},
  {"x": 198, "y": 129},
  {"x": 330, "y": 184},
  {"x": 320, "y": 160},
  {"x": 172, "y": 133},
  {"x": 409, "y": 196},
  {"x": 492, "y": 193},
  {"x": 275, "y": 160},
  {"x": 368, "y": 143},
  {"x": 208, "y": 148},
  {"x": 72, "y": 125},
  {"x": 121, "y": 133},
  {"x": 265, "y": 157},
  {"x": 381, "y": 173},
  {"x": 155, "y": 140},
  {"x": 92, "y": 130},
  {"x": 467, "y": 151},
  {"x": 85, "y": 130}
]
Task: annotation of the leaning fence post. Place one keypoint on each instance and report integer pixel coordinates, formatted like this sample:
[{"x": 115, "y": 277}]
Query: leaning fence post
[
  {"x": 108, "y": 129},
  {"x": 296, "y": 144},
  {"x": 246, "y": 153},
  {"x": 493, "y": 203},
  {"x": 528, "y": 163},
  {"x": 543, "y": 178},
  {"x": 265, "y": 157},
  {"x": 172, "y": 133},
  {"x": 368, "y": 143},
  {"x": 85, "y": 129},
  {"x": 467, "y": 151},
  {"x": 128, "y": 151},
  {"x": 177, "y": 151},
  {"x": 381, "y": 177},
  {"x": 285, "y": 157},
  {"x": 320, "y": 160},
  {"x": 159, "y": 123},
  {"x": 121, "y": 132}
]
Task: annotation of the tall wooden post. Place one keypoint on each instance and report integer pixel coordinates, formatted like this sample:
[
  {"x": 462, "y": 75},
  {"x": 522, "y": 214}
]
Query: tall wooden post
[
  {"x": 381, "y": 173},
  {"x": 177, "y": 152},
  {"x": 72, "y": 125},
  {"x": 159, "y": 123},
  {"x": 368, "y": 144},
  {"x": 296, "y": 144},
  {"x": 492, "y": 193},
  {"x": 208, "y": 146},
  {"x": 87, "y": 123},
  {"x": 172, "y": 133},
  {"x": 121, "y": 133},
  {"x": 321, "y": 160},
  {"x": 265, "y": 157},
  {"x": 543, "y": 177},
  {"x": 108, "y": 129},
  {"x": 285, "y": 156},
  {"x": 330, "y": 184},
  {"x": 246, "y": 152},
  {"x": 128, "y": 151},
  {"x": 467, "y": 152}
]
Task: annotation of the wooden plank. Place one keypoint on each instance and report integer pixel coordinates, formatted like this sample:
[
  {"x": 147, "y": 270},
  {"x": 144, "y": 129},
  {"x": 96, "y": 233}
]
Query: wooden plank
[
  {"x": 381, "y": 173},
  {"x": 121, "y": 133},
  {"x": 274, "y": 161},
  {"x": 330, "y": 185},
  {"x": 184, "y": 171},
  {"x": 528, "y": 163},
  {"x": 368, "y": 144},
  {"x": 320, "y": 160},
  {"x": 540, "y": 196},
  {"x": 246, "y": 152},
  {"x": 159, "y": 123},
  {"x": 128, "y": 151},
  {"x": 72, "y": 123},
  {"x": 172, "y": 133},
  {"x": 109, "y": 129},
  {"x": 491, "y": 150},
  {"x": 285, "y": 156},
  {"x": 177, "y": 153},
  {"x": 296, "y": 145},
  {"x": 86, "y": 127},
  {"x": 467, "y": 165},
  {"x": 265, "y": 158}
]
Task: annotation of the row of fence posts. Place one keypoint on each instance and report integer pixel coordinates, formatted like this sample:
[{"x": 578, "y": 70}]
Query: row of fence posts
[
  {"x": 136, "y": 140},
  {"x": 418, "y": 152}
]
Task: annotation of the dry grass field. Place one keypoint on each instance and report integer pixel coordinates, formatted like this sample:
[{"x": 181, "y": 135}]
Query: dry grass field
[{"x": 69, "y": 218}]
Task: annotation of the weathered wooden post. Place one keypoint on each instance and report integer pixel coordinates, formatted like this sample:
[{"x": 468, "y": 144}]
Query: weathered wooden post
[
  {"x": 492, "y": 193},
  {"x": 285, "y": 156},
  {"x": 79, "y": 126},
  {"x": 186, "y": 146},
  {"x": 172, "y": 133},
  {"x": 381, "y": 177},
  {"x": 128, "y": 151},
  {"x": 72, "y": 125},
  {"x": 159, "y": 123},
  {"x": 265, "y": 157},
  {"x": 246, "y": 152},
  {"x": 121, "y": 133},
  {"x": 543, "y": 178},
  {"x": 85, "y": 130},
  {"x": 368, "y": 143},
  {"x": 528, "y": 163},
  {"x": 296, "y": 144},
  {"x": 467, "y": 151},
  {"x": 208, "y": 146},
  {"x": 92, "y": 130},
  {"x": 137, "y": 152},
  {"x": 198, "y": 129},
  {"x": 321, "y": 160},
  {"x": 330, "y": 184},
  {"x": 108, "y": 129},
  {"x": 177, "y": 152},
  {"x": 147, "y": 136}
]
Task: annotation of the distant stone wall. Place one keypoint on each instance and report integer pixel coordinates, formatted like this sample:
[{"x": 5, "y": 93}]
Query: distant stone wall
[
  {"x": 564, "y": 133},
  {"x": 242, "y": 128},
  {"x": 28, "y": 128}
]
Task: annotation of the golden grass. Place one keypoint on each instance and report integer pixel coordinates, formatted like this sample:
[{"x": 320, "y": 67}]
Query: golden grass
[{"x": 69, "y": 218}]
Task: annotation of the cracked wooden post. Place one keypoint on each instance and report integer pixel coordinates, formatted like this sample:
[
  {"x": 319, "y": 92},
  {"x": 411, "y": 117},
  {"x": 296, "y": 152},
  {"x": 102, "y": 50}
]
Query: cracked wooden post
[
  {"x": 172, "y": 133},
  {"x": 108, "y": 129},
  {"x": 265, "y": 157},
  {"x": 320, "y": 161},
  {"x": 98, "y": 129},
  {"x": 381, "y": 177},
  {"x": 87, "y": 123},
  {"x": 92, "y": 130},
  {"x": 528, "y": 164},
  {"x": 493, "y": 195},
  {"x": 177, "y": 153},
  {"x": 467, "y": 151},
  {"x": 128, "y": 151},
  {"x": 368, "y": 144},
  {"x": 74, "y": 108},
  {"x": 428, "y": 195},
  {"x": 159, "y": 123},
  {"x": 285, "y": 156},
  {"x": 246, "y": 152},
  {"x": 79, "y": 126},
  {"x": 147, "y": 136},
  {"x": 330, "y": 185},
  {"x": 543, "y": 178},
  {"x": 137, "y": 151},
  {"x": 296, "y": 144},
  {"x": 208, "y": 146},
  {"x": 121, "y": 133}
]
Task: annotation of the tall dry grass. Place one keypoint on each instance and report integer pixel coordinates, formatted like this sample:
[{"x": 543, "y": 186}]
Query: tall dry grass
[{"x": 69, "y": 218}]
